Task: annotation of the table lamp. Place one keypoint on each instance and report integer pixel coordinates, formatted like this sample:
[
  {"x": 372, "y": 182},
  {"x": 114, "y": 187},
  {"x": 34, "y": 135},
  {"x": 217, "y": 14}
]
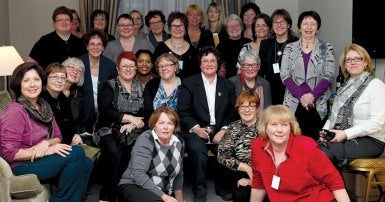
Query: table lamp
[{"x": 9, "y": 60}]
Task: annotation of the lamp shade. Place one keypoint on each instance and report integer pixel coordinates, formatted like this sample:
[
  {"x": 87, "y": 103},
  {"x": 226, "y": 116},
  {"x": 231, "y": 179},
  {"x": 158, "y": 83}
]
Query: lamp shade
[{"x": 9, "y": 60}]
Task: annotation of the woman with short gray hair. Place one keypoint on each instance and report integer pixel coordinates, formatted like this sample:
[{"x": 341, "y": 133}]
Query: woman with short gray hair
[{"x": 248, "y": 79}]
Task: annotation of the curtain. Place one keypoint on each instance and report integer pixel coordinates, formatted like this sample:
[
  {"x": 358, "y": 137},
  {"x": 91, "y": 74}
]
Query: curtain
[{"x": 87, "y": 6}]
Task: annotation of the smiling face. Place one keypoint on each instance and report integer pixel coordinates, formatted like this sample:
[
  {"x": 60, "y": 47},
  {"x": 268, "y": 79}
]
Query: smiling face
[
  {"x": 213, "y": 14},
  {"x": 144, "y": 64},
  {"x": 62, "y": 24},
  {"x": 166, "y": 69},
  {"x": 55, "y": 82},
  {"x": 308, "y": 28},
  {"x": 209, "y": 65},
  {"x": 248, "y": 17},
  {"x": 177, "y": 29},
  {"x": 156, "y": 25},
  {"x": 250, "y": 68},
  {"x": 234, "y": 29},
  {"x": 164, "y": 128},
  {"x": 74, "y": 22},
  {"x": 138, "y": 22},
  {"x": 31, "y": 85},
  {"x": 125, "y": 27},
  {"x": 194, "y": 18},
  {"x": 73, "y": 73},
  {"x": 261, "y": 28},
  {"x": 354, "y": 64},
  {"x": 126, "y": 69},
  {"x": 248, "y": 112},
  {"x": 100, "y": 22},
  {"x": 95, "y": 46},
  {"x": 278, "y": 132},
  {"x": 280, "y": 26}
]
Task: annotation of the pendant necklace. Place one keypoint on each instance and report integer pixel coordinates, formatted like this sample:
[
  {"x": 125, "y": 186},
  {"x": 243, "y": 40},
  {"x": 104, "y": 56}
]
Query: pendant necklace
[{"x": 280, "y": 50}]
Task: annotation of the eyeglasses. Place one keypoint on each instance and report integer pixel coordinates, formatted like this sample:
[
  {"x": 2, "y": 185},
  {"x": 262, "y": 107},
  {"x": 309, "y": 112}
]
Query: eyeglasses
[
  {"x": 95, "y": 44},
  {"x": 74, "y": 69},
  {"x": 125, "y": 25},
  {"x": 157, "y": 23},
  {"x": 63, "y": 20},
  {"x": 57, "y": 78},
  {"x": 253, "y": 65},
  {"x": 99, "y": 19},
  {"x": 260, "y": 26},
  {"x": 128, "y": 67},
  {"x": 355, "y": 59},
  {"x": 234, "y": 26},
  {"x": 248, "y": 107},
  {"x": 166, "y": 66},
  {"x": 181, "y": 26},
  {"x": 279, "y": 23}
]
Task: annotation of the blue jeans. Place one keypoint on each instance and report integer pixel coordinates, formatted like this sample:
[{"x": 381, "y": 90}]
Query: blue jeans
[{"x": 71, "y": 172}]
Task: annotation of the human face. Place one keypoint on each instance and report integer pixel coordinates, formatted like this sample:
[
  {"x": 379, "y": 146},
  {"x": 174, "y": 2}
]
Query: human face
[
  {"x": 95, "y": 47},
  {"x": 234, "y": 29},
  {"x": 31, "y": 85},
  {"x": 125, "y": 27},
  {"x": 213, "y": 14},
  {"x": 167, "y": 69},
  {"x": 194, "y": 18},
  {"x": 63, "y": 24},
  {"x": 126, "y": 69},
  {"x": 177, "y": 29},
  {"x": 308, "y": 28},
  {"x": 164, "y": 128},
  {"x": 209, "y": 65},
  {"x": 100, "y": 22},
  {"x": 354, "y": 64},
  {"x": 278, "y": 132},
  {"x": 138, "y": 23},
  {"x": 280, "y": 26},
  {"x": 74, "y": 72},
  {"x": 248, "y": 17},
  {"x": 74, "y": 22},
  {"x": 248, "y": 113},
  {"x": 56, "y": 81},
  {"x": 261, "y": 29},
  {"x": 144, "y": 64},
  {"x": 250, "y": 68},
  {"x": 156, "y": 25}
]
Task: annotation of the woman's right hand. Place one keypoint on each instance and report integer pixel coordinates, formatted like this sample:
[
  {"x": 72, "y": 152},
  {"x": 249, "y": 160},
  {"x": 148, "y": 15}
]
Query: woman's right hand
[
  {"x": 137, "y": 121},
  {"x": 168, "y": 198},
  {"x": 39, "y": 150},
  {"x": 61, "y": 149}
]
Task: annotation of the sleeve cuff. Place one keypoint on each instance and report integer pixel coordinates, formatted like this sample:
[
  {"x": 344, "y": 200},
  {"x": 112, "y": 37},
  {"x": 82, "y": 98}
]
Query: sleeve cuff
[{"x": 191, "y": 130}]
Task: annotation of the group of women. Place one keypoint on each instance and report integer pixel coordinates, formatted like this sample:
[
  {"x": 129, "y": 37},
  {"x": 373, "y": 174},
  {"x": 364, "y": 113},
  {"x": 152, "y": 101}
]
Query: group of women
[{"x": 266, "y": 155}]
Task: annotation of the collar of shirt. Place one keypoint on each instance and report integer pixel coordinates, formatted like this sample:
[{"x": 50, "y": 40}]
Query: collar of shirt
[{"x": 172, "y": 140}]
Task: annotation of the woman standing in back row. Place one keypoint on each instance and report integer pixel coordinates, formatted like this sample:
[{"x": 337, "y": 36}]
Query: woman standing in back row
[{"x": 308, "y": 67}]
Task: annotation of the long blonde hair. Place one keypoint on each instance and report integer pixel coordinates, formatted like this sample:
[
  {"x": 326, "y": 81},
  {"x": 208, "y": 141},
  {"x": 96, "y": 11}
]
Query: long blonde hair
[
  {"x": 279, "y": 113},
  {"x": 221, "y": 19}
]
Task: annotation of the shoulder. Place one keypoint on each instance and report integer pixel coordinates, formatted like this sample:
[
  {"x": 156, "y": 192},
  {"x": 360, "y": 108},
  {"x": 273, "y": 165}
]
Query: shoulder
[
  {"x": 14, "y": 109},
  {"x": 225, "y": 81},
  {"x": 234, "y": 78},
  {"x": 304, "y": 143},
  {"x": 377, "y": 84},
  {"x": 145, "y": 139},
  {"x": 262, "y": 80},
  {"x": 107, "y": 62}
]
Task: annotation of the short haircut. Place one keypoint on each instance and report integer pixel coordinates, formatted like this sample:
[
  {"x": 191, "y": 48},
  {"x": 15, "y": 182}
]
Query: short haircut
[
  {"x": 174, "y": 16},
  {"x": 55, "y": 68},
  {"x": 127, "y": 55},
  {"x": 169, "y": 57},
  {"x": 19, "y": 72},
  {"x": 207, "y": 50},
  {"x": 152, "y": 14},
  {"x": 233, "y": 17},
  {"x": 312, "y": 14},
  {"x": 125, "y": 16},
  {"x": 249, "y": 54},
  {"x": 92, "y": 33},
  {"x": 195, "y": 7},
  {"x": 95, "y": 14},
  {"x": 169, "y": 112},
  {"x": 249, "y": 96},
  {"x": 61, "y": 10}
]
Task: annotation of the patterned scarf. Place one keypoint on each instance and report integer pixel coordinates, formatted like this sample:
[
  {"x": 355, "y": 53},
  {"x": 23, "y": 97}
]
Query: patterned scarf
[
  {"x": 342, "y": 111},
  {"x": 43, "y": 115}
]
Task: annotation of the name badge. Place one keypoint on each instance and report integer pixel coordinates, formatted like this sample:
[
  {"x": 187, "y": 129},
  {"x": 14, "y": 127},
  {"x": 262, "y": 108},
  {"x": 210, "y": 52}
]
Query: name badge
[
  {"x": 276, "y": 68},
  {"x": 275, "y": 182}
]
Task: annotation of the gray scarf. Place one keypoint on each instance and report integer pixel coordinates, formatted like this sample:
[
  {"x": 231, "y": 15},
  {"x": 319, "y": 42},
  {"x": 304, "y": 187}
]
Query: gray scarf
[{"x": 342, "y": 112}]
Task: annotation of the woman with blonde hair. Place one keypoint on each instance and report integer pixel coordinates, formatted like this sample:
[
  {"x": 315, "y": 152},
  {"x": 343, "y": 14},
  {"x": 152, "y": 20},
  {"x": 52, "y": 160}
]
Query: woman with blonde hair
[
  {"x": 214, "y": 21},
  {"x": 287, "y": 165}
]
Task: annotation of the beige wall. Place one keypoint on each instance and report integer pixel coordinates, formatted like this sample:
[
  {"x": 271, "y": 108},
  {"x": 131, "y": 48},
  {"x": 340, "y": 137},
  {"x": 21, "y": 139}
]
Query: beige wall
[
  {"x": 4, "y": 23},
  {"x": 31, "y": 19}
]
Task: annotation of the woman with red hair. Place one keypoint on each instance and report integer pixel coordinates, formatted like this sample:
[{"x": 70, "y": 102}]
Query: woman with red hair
[{"x": 120, "y": 104}]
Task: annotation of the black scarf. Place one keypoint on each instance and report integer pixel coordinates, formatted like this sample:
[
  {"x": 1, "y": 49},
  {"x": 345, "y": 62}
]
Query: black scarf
[{"x": 43, "y": 115}]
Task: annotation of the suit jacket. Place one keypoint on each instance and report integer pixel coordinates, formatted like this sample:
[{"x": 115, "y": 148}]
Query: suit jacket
[
  {"x": 107, "y": 71},
  {"x": 193, "y": 107}
]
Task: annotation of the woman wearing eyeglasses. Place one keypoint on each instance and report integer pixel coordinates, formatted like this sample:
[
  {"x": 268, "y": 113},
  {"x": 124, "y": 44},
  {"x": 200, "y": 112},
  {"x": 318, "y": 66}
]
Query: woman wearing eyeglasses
[
  {"x": 178, "y": 46},
  {"x": 126, "y": 41},
  {"x": 120, "y": 105},
  {"x": 248, "y": 79},
  {"x": 56, "y": 77},
  {"x": 235, "y": 147},
  {"x": 357, "y": 117},
  {"x": 308, "y": 68},
  {"x": 155, "y": 21},
  {"x": 98, "y": 69},
  {"x": 163, "y": 90},
  {"x": 99, "y": 21}
]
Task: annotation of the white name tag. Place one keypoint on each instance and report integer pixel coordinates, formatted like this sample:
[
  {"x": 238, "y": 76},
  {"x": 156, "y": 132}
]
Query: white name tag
[
  {"x": 276, "y": 68},
  {"x": 275, "y": 182}
]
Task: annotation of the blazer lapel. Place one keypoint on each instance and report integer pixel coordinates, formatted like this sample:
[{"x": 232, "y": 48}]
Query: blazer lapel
[{"x": 202, "y": 93}]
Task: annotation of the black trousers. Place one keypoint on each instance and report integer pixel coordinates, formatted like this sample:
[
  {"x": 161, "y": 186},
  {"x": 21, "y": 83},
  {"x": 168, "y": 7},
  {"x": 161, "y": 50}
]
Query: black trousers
[
  {"x": 134, "y": 193},
  {"x": 309, "y": 121}
]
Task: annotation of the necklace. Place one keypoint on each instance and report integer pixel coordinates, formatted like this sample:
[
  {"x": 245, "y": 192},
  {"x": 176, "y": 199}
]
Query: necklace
[
  {"x": 280, "y": 48},
  {"x": 176, "y": 47}
]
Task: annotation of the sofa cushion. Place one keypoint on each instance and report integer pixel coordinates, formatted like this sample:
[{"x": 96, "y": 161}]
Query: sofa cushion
[{"x": 25, "y": 186}]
